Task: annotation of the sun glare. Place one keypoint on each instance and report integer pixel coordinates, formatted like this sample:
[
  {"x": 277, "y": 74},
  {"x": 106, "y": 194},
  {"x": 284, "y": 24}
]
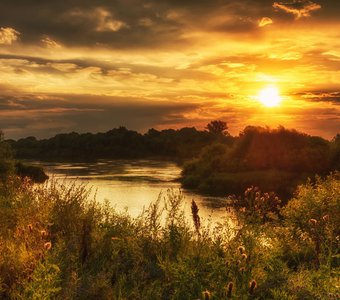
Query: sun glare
[{"x": 269, "y": 96}]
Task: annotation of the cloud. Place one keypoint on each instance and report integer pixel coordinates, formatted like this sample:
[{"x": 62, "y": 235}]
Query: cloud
[
  {"x": 265, "y": 21},
  {"x": 299, "y": 8},
  {"x": 100, "y": 18},
  {"x": 8, "y": 35},
  {"x": 50, "y": 43},
  {"x": 326, "y": 96},
  {"x": 46, "y": 115}
]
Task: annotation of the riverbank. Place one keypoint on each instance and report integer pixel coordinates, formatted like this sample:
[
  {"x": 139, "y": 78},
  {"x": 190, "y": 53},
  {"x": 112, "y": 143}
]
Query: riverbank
[{"x": 58, "y": 244}]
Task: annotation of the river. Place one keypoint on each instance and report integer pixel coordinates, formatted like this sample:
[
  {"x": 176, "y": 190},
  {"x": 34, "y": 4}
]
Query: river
[{"x": 133, "y": 184}]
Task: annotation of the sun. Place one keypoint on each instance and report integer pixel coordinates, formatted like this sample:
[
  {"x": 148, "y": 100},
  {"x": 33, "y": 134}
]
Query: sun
[{"x": 270, "y": 96}]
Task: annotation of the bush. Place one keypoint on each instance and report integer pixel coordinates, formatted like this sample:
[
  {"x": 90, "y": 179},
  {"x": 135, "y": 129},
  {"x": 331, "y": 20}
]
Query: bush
[{"x": 35, "y": 173}]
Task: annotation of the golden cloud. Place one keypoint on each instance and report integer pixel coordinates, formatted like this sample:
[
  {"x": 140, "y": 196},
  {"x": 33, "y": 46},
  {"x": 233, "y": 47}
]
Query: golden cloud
[
  {"x": 265, "y": 21},
  {"x": 298, "y": 8},
  {"x": 8, "y": 35}
]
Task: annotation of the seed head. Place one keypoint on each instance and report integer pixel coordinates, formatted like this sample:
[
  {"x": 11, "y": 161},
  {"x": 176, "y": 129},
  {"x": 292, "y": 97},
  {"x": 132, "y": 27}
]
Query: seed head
[
  {"x": 30, "y": 227},
  {"x": 48, "y": 245},
  {"x": 244, "y": 256},
  {"x": 43, "y": 233},
  {"x": 230, "y": 289},
  {"x": 195, "y": 216},
  {"x": 313, "y": 222},
  {"x": 206, "y": 295},
  {"x": 325, "y": 218},
  {"x": 241, "y": 249},
  {"x": 252, "y": 286}
]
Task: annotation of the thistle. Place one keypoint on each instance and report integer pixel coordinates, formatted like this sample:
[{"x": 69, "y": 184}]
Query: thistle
[
  {"x": 313, "y": 222},
  {"x": 230, "y": 289},
  {"x": 325, "y": 218},
  {"x": 195, "y": 216},
  {"x": 206, "y": 295},
  {"x": 48, "y": 245},
  {"x": 252, "y": 286},
  {"x": 241, "y": 249}
]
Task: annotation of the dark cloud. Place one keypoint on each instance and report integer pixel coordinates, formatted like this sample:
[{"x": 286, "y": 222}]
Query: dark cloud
[
  {"x": 51, "y": 114},
  {"x": 138, "y": 23},
  {"x": 122, "y": 23},
  {"x": 326, "y": 95}
]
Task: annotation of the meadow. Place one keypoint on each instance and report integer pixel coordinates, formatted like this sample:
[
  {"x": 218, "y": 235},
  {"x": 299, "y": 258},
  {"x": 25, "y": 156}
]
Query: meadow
[{"x": 56, "y": 243}]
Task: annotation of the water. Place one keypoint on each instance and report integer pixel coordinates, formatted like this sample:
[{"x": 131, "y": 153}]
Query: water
[{"x": 133, "y": 184}]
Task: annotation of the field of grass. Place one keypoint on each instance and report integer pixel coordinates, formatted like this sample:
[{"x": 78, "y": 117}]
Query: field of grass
[{"x": 56, "y": 243}]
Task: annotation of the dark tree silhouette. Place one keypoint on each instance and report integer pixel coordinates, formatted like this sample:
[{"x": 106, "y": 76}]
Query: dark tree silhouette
[{"x": 218, "y": 127}]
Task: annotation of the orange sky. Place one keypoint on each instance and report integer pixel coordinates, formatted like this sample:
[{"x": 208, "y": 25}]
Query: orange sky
[{"x": 94, "y": 65}]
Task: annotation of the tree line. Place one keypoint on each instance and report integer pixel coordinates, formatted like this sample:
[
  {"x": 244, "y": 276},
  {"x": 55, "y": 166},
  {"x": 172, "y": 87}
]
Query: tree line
[{"x": 213, "y": 161}]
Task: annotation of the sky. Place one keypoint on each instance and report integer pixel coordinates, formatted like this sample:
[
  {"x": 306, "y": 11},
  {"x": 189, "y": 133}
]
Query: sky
[{"x": 90, "y": 66}]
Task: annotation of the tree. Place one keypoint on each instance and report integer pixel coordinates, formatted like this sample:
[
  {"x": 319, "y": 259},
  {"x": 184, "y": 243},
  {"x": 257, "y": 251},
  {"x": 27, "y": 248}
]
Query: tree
[
  {"x": 6, "y": 158},
  {"x": 218, "y": 127}
]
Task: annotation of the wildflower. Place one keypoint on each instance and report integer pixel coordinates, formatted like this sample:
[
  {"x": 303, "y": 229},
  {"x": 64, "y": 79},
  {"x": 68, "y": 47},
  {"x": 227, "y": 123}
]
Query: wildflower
[
  {"x": 241, "y": 249},
  {"x": 244, "y": 256},
  {"x": 252, "y": 286},
  {"x": 195, "y": 216},
  {"x": 313, "y": 222},
  {"x": 30, "y": 227},
  {"x": 230, "y": 289},
  {"x": 325, "y": 218},
  {"x": 48, "y": 245},
  {"x": 248, "y": 190},
  {"x": 43, "y": 233},
  {"x": 206, "y": 295}
]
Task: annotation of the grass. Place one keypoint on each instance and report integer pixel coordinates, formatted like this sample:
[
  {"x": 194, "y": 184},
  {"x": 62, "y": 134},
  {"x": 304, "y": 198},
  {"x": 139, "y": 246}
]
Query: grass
[{"x": 56, "y": 243}]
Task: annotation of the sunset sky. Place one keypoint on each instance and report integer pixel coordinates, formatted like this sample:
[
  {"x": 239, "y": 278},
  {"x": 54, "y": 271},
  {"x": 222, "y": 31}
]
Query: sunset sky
[{"x": 81, "y": 65}]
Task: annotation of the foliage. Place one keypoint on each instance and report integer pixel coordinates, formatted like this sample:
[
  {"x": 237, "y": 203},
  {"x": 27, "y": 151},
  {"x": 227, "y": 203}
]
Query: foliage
[
  {"x": 218, "y": 127},
  {"x": 272, "y": 159},
  {"x": 35, "y": 173},
  {"x": 6, "y": 158},
  {"x": 56, "y": 243},
  {"x": 117, "y": 143}
]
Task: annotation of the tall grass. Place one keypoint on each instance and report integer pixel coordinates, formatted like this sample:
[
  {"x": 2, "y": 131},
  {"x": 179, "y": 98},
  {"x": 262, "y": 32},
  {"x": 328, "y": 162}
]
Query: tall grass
[{"x": 57, "y": 243}]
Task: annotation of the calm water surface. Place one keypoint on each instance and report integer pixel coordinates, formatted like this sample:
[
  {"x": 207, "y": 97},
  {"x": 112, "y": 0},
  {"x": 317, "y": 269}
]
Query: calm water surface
[{"x": 132, "y": 184}]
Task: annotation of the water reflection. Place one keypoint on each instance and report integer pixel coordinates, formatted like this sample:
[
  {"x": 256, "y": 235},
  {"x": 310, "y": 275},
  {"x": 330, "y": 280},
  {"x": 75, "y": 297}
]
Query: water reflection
[{"x": 132, "y": 184}]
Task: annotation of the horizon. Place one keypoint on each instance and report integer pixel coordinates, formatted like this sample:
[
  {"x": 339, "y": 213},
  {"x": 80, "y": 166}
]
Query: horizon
[
  {"x": 146, "y": 131},
  {"x": 91, "y": 66}
]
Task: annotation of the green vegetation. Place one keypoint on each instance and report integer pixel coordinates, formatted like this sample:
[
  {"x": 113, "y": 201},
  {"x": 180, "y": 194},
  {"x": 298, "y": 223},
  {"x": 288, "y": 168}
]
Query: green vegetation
[
  {"x": 273, "y": 159},
  {"x": 36, "y": 173},
  {"x": 55, "y": 243},
  {"x": 6, "y": 159},
  {"x": 213, "y": 161},
  {"x": 8, "y": 166},
  {"x": 118, "y": 143}
]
